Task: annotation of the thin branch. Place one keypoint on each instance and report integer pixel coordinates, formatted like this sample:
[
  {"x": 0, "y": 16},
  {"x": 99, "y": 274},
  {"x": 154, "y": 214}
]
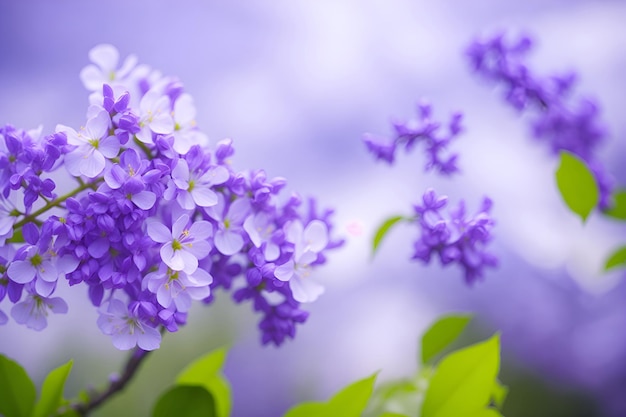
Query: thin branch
[{"x": 130, "y": 368}]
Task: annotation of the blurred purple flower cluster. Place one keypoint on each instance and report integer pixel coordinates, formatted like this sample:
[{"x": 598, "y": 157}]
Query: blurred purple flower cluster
[
  {"x": 156, "y": 219},
  {"x": 562, "y": 120},
  {"x": 456, "y": 238},
  {"x": 424, "y": 129}
]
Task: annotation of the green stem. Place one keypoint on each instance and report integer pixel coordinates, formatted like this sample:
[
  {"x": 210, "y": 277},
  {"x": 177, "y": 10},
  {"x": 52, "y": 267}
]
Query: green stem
[{"x": 56, "y": 202}]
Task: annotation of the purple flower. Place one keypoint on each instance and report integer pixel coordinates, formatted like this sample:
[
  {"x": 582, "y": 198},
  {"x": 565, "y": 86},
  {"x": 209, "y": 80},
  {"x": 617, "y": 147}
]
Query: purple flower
[
  {"x": 178, "y": 288},
  {"x": 558, "y": 118},
  {"x": 106, "y": 58},
  {"x": 195, "y": 188},
  {"x": 182, "y": 246},
  {"x": 424, "y": 130},
  {"x": 308, "y": 242},
  {"x": 155, "y": 117},
  {"x": 229, "y": 235},
  {"x": 93, "y": 146},
  {"x": 186, "y": 134},
  {"x": 33, "y": 311},
  {"x": 125, "y": 328},
  {"x": 456, "y": 238}
]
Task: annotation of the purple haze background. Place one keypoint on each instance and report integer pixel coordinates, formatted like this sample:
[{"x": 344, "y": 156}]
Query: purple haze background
[{"x": 296, "y": 84}]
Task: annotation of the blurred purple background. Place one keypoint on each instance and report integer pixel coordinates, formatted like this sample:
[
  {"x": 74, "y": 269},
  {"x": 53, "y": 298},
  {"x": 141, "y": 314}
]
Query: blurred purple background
[{"x": 295, "y": 84}]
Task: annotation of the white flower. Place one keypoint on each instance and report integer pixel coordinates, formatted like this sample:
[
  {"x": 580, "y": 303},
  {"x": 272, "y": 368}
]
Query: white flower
[
  {"x": 186, "y": 133},
  {"x": 154, "y": 116},
  {"x": 105, "y": 71},
  {"x": 93, "y": 146}
]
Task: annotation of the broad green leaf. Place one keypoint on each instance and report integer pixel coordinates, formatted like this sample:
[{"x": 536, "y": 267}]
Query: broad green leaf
[
  {"x": 388, "y": 414},
  {"x": 17, "y": 391},
  {"x": 577, "y": 185},
  {"x": 616, "y": 259},
  {"x": 618, "y": 211},
  {"x": 351, "y": 401},
  {"x": 463, "y": 381},
  {"x": 206, "y": 372},
  {"x": 485, "y": 412},
  {"x": 399, "y": 396},
  {"x": 308, "y": 409},
  {"x": 443, "y": 332},
  {"x": 52, "y": 391},
  {"x": 185, "y": 401},
  {"x": 383, "y": 230},
  {"x": 498, "y": 394}
]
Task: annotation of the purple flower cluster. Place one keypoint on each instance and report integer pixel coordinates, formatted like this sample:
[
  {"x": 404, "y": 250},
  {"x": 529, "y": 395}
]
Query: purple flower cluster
[
  {"x": 563, "y": 121},
  {"x": 456, "y": 238},
  {"x": 423, "y": 129},
  {"x": 156, "y": 219}
]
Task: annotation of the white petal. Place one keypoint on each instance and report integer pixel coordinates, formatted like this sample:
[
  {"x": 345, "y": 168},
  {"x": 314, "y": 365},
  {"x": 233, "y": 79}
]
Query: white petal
[
  {"x": 92, "y": 78},
  {"x": 305, "y": 290},
  {"x": 109, "y": 146},
  {"x": 228, "y": 243},
  {"x": 285, "y": 271},
  {"x": 293, "y": 231},
  {"x": 105, "y": 56},
  {"x": 162, "y": 123},
  {"x": 316, "y": 236},
  {"x": 251, "y": 228},
  {"x": 92, "y": 164},
  {"x": 204, "y": 196},
  {"x": 184, "y": 110}
]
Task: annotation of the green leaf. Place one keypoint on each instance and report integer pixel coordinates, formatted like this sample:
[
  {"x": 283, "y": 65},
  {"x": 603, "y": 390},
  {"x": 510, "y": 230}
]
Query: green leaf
[
  {"x": 52, "y": 391},
  {"x": 498, "y": 394},
  {"x": 383, "y": 230},
  {"x": 185, "y": 401},
  {"x": 618, "y": 211},
  {"x": 463, "y": 381},
  {"x": 308, "y": 409},
  {"x": 17, "y": 237},
  {"x": 617, "y": 259},
  {"x": 485, "y": 412},
  {"x": 389, "y": 414},
  {"x": 206, "y": 372},
  {"x": 17, "y": 391},
  {"x": 577, "y": 185},
  {"x": 351, "y": 401},
  {"x": 443, "y": 332}
]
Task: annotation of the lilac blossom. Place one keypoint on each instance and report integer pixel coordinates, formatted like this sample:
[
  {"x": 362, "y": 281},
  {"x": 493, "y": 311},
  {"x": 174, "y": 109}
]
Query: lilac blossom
[
  {"x": 156, "y": 220},
  {"x": 182, "y": 246},
  {"x": 34, "y": 310},
  {"x": 456, "y": 238},
  {"x": 155, "y": 117},
  {"x": 560, "y": 119},
  {"x": 260, "y": 229},
  {"x": 423, "y": 129},
  {"x": 193, "y": 188},
  {"x": 125, "y": 328},
  {"x": 308, "y": 242},
  {"x": 186, "y": 133},
  {"x": 106, "y": 59},
  {"x": 178, "y": 288},
  {"x": 93, "y": 146},
  {"x": 229, "y": 236}
]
